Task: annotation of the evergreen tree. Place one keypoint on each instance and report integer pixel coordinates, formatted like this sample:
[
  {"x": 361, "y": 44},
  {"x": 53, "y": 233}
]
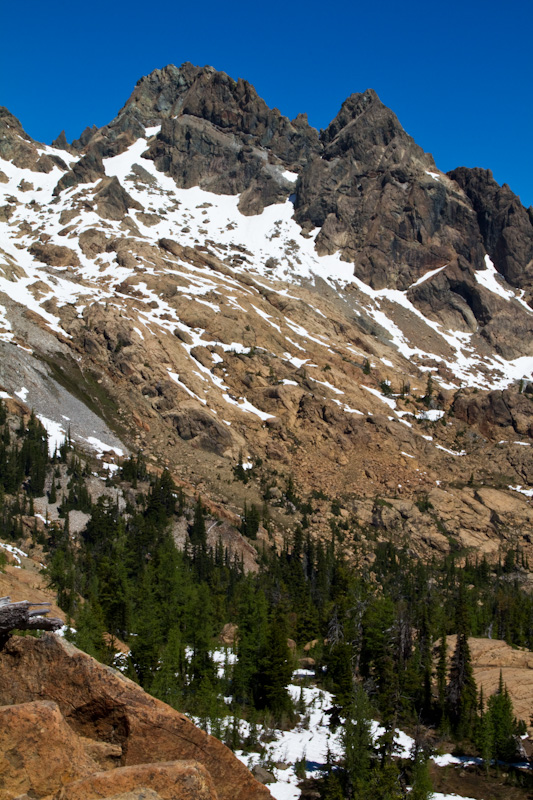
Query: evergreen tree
[
  {"x": 146, "y": 645},
  {"x": 421, "y": 784},
  {"x": 276, "y": 670},
  {"x": 169, "y": 678},
  {"x": 251, "y": 643},
  {"x": 461, "y": 694},
  {"x": 485, "y": 737},
  {"x": 89, "y": 636},
  {"x": 356, "y": 740},
  {"x": 500, "y": 711},
  {"x": 197, "y": 532},
  {"x": 442, "y": 670},
  {"x": 250, "y": 521}
]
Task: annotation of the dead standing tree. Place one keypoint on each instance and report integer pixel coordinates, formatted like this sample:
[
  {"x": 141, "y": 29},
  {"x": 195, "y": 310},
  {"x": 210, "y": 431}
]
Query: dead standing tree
[{"x": 25, "y": 616}]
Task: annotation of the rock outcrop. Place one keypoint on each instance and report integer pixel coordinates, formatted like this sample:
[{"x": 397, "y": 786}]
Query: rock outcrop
[
  {"x": 505, "y": 225},
  {"x": 70, "y": 699},
  {"x": 492, "y": 657},
  {"x": 372, "y": 192},
  {"x": 510, "y": 412},
  {"x": 39, "y": 752},
  {"x": 204, "y": 325},
  {"x": 173, "y": 780}
]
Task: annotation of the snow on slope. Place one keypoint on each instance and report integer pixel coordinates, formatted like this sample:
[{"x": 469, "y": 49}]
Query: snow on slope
[
  {"x": 270, "y": 247},
  {"x": 311, "y": 741}
]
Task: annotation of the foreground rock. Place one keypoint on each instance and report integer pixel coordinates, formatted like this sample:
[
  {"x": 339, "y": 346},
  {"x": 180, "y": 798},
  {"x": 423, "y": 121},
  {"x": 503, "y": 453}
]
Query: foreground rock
[
  {"x": 39, "y": 752},
  {"x": 177, "y": 780},
  {"x": 103, "y": 707}
]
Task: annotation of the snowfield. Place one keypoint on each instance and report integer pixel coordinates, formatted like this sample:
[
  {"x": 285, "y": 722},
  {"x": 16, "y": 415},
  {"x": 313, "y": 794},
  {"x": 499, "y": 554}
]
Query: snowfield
[{"x": 273, "y": 247}]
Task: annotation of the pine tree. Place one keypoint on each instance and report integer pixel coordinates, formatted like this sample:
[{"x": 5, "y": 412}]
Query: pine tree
[
  {"x": 500, "y": 710},
  {"x": 90, "y": 628},
  {"x": 485, "y": 737},
  {"x": 250, "y": 521},
  {"x": 442, "y": 670},
  {"x": 356, "y": 738},
  {"x": 197, "y": 531},
  {"x": 146, "y": 645},
  {"x": 239, "y": 471},
  {"x": 422, "y": 787},
  {"x": 276, "y": 670},
  {"x": 169, "y": 679},
  {"x": 461, "y": 694},
  {"x": 251, "y": 643}
]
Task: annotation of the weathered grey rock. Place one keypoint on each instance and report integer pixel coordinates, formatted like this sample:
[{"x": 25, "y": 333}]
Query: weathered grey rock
[
  {"x": 263, "y": 775},
  {"x": 61, "y": 143},
  {"x": 202, "y": 428},
  {"x": 505, "y": 225},
  {"x": 370, "y": 193},
  {"x": 112, "y": 200}
]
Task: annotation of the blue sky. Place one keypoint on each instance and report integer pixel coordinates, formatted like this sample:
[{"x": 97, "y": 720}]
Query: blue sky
[{"x": 458, "y": 75}]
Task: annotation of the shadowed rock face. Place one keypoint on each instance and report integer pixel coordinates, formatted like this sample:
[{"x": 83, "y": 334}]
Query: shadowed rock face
[
  {"x": 18, "y": 147},
  {"x": 495, "y": 409},
  {"x": 101, "y": 705},
  {"x": 505, "y": 225},
  {"x": 229, "y": 105},
  {"x": 371, "y": 194}
]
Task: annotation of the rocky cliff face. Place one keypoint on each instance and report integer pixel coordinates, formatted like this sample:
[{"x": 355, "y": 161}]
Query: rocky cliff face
[
  {"x": 505, "y": 225},
  {"x": 72, "y": 729},
  {"x": 375, "y": 197},
  {"x": 212, "y": 278}
]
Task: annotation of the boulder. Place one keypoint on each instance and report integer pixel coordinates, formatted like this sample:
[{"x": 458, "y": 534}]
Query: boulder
[
  {"x": 263, "y": 775},
  {"x": 202, "y": 428},
  {"x": 174, "y": 780},
  {"x": 112, "y": 200},
  {"x": 101, "y": 704},
  {"x": 228, "y": 634},
  {"x": 55, "y": 255},
  {"x": 39, "y": 752}
]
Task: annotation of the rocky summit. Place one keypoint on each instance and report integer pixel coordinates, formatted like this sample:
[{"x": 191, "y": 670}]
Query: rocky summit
[{"x": 215, "y": 284}]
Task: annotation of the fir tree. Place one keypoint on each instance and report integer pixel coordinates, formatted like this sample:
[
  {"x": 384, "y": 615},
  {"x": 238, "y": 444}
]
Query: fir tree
[
  {"x": 356, "y": 738},
  {"x": 442, "y": 670},
  {"x": 500, "y": 711},
  {"x": 197, "y": 532},
  {"x": 461, "y": 693},
  {"x": 421, "y": 784},
  {"x": 276, "y": 670},
  {"x": 169, "y": 679}
]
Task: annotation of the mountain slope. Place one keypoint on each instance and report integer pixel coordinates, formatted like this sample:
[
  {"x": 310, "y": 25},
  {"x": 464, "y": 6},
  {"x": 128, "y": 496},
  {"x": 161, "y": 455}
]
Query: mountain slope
[{"x": 210, "y": 279}]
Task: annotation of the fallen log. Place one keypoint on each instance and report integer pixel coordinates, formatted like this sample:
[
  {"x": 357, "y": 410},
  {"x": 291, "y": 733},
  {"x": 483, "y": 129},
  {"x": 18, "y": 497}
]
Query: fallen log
[{"x": 21, "y": 616}]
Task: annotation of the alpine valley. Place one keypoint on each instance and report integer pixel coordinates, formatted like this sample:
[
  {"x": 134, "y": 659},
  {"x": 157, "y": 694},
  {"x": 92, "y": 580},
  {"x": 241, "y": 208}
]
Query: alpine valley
[{"x": 276, "y": 382}]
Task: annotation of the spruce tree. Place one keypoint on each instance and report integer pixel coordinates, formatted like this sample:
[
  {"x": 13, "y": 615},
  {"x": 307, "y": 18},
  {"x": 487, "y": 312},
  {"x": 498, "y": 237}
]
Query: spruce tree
[
  {"x": 500, "y": 710},
  {"x": 356, "y": 738},
  {"x": 276, "y": 670},
  {"x": 461, "y": 693},
  {"x": 421, "y": 785},
  {"x": 442, "y": 670},
  {"x": 169, "y": 679},
  {"x": 485, "y": 736}
]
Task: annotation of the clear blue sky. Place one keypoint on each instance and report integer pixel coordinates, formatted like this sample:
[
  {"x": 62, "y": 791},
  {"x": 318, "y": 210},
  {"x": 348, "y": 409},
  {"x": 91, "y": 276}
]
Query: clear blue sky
[{"x": 457, "y": 74}]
